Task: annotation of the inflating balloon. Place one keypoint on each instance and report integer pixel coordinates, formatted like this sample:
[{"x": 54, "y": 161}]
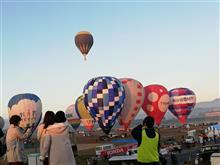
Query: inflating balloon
[
  {"x": 2, "y": 122},
  {"x": 104, "y": 99},
  {"x": 84, "y": 42},
  {"x": 28, "y": 107},
  {"x": 88, "y": 124},
  {"x": 182, "y": 102},
  {"x": 134, "y": 92},
  {"x": 83, "y": 114},
  {"x": 156, "y": 102},
  {"x": 72, "y": 117}
]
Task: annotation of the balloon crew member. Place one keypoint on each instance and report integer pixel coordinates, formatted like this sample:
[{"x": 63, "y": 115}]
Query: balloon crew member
[
  {"x": 148, "y": 142},
  {"x": 41, "y": 131},
  {"x": 15, "y": 141}
]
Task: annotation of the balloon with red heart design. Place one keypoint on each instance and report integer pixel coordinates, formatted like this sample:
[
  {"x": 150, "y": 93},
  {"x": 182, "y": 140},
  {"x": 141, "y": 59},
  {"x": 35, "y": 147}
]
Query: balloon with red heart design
[
  {"x": 156, "y": 102},
  {"x": 134, "y": 92}
]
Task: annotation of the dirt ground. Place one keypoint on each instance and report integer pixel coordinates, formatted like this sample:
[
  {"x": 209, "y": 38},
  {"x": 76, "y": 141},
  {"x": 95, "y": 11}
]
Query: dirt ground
[{"x": 86, "y": 144}]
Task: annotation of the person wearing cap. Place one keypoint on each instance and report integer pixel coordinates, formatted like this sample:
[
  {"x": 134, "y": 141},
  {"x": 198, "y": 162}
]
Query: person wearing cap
[{"x": 148, "y": 142}]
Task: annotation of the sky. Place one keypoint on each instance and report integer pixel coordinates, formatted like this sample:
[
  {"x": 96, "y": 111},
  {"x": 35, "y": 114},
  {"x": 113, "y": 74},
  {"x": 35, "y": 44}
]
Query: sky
[{"x": 172, "y": 43}]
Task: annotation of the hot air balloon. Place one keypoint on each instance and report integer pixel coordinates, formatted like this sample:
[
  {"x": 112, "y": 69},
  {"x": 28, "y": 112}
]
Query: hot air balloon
[
  {"x": 134, "y": 92},
  {"x": 72, "y": 117},
  {"x": 2, "y": 122},
  {"x": 28, "y": 107},
  {"x": 156, "y": 102},
  {"x": 182, "y": 102},
  {"x": 84, "y": 42},
  {"x": 83, "y": 114},
  {"x": 104, "y": 99}
]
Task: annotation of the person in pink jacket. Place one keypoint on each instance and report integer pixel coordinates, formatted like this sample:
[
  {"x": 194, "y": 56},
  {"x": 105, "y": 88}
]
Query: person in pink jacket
[
  {"x": 41, "y": 130},
  {"x": 57, "y": 144}
]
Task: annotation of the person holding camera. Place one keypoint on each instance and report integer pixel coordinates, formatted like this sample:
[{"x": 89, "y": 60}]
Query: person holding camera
[{"x": 15, "y": 141}]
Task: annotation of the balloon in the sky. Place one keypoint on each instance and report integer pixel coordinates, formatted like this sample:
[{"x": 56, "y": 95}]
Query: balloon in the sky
[
  {"x": 84, "y": 42},
  {"x": 104, "y": 99},
  {"x": 28, "y": 107},
  {"x": 2, "y": 122},
  {"x": 72, "y": 117},
  {"x": 182, "y": 102},
  {"x": 156, "y": 102},
  {"x": 83, "y": 114},
  {"x": 134, "y": 92}
]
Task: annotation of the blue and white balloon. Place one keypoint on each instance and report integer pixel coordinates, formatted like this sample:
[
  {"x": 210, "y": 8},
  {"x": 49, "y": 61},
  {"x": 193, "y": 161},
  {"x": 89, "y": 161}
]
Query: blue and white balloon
[
  {"x": 104, "y": 98},
  {"x": 29, "y": 107}
]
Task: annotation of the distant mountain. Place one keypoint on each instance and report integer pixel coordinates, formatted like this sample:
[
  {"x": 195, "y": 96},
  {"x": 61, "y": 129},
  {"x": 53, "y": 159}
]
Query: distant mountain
[
  {"x": 200, "y": 109},
  {"x": 209, "y": 104}
]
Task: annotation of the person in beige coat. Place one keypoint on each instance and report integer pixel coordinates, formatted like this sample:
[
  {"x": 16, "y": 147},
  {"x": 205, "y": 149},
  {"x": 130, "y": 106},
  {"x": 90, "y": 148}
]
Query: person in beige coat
[
  {"x": 15, "y": 141},
  {"x": 41, "y": 130},
  {"x": 57, "y": 143}
]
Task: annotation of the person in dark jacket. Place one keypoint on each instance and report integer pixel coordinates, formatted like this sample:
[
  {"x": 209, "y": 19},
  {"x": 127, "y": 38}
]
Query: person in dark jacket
[
  {"x": 1, "y": 133},
  {"x": 148, "y": 142}
]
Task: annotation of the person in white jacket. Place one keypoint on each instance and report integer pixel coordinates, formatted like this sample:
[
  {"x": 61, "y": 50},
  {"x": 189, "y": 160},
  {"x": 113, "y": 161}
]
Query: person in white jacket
[
  {"x": 15, "y": 141},
  {"x": 57, "y": 143},
  {"x": 41, "y": 130}
]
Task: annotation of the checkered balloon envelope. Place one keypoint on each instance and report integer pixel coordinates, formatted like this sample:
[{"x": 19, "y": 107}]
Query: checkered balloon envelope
[{"x": 104, "y": 98}]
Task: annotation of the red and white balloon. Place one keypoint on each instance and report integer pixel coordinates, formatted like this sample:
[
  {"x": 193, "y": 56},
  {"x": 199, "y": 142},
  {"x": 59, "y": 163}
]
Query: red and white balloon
[
  {"x": 156, "y": 102},
  {"x": 134, "y": 92}
]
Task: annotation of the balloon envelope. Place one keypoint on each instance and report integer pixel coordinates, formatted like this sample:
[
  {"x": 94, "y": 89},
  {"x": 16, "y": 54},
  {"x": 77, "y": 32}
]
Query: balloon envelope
[
  {"x": 182, "y": 102},
  {"x": 72, "y": 117},
  {"x": 104, "y": 98},
  {"x": 88, "y": 124},
  {"x": 83, "y": 114},
  {"x": 28, "y": 106},
  {"x": 156, "y": 102},
  {"x": 84, "y": 42},
  {"x": 2, "y": 122},
  {"x": 134, "y": 92}
]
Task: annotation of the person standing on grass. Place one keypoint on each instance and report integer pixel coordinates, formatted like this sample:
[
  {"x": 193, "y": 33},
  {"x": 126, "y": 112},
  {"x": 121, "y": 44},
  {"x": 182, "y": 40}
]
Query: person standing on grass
[{"x": 148, "y": 142}]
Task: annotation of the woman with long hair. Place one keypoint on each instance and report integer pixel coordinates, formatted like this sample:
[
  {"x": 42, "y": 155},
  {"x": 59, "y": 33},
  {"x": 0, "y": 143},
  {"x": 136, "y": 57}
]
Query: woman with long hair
[
  {"x": 41, "y": 131},
  {"x": 57, "y": 143}
]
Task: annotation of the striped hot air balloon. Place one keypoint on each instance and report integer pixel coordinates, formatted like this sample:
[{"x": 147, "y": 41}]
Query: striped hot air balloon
[
  {"x": 72, "y": 117},
  {"x": 182, "y": 102},
  {"x": 84, "y": 42}
]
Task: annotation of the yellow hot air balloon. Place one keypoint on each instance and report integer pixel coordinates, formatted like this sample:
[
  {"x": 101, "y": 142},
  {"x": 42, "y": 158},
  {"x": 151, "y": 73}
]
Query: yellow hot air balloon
[
  {"x": 83, "y": 113},
  {"x": 84, "y": 42}
]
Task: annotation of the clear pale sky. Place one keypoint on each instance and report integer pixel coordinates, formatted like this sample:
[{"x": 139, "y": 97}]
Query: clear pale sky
[{"x": 172, "y": 43}]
